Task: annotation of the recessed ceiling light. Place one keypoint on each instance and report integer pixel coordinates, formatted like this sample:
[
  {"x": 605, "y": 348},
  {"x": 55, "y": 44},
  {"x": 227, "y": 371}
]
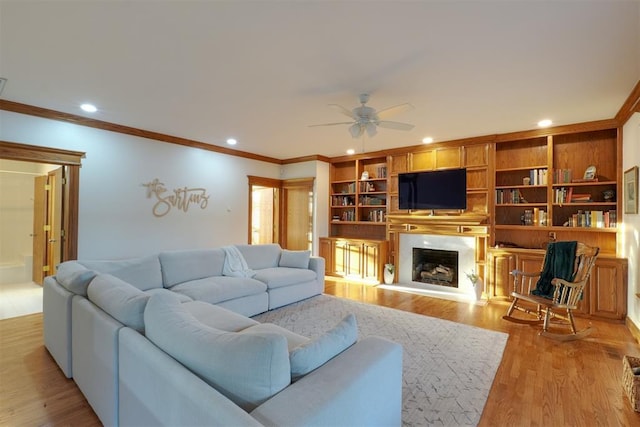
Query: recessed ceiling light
[
  {"x": 89, "y": 108},
  {"x": 231, "y": 141},
  {"x": 544, "y": 123},
  {"x": 351, "y": 151},
  {"x": 427, "y": 140}
]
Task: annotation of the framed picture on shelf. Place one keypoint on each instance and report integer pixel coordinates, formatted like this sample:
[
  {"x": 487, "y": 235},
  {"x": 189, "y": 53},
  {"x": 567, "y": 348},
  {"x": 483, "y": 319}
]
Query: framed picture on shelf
[
  {"x": 590, "y": 173},
  {"x": 630, "y": 186}
]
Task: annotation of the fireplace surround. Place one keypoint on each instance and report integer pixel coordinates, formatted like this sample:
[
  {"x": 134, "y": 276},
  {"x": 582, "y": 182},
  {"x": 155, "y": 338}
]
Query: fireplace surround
[
  {"x": 454, "y": 252},
  {"x": 467, "y": 234}
]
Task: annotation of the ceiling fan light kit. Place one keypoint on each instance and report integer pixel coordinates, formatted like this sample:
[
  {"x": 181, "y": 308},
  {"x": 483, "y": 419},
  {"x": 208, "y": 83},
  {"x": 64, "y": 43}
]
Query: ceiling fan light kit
[{"x": 366, "y": 119}]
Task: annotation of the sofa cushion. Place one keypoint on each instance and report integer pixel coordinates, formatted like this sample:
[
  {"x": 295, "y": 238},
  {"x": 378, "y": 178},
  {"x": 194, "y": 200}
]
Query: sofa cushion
[
  {"x": 186, "y": 265},
  {"x": 143, "y": 273},
  {"x": 294, "y": 259},
  {"x": 218, "y": 317},
  {"x": 123, "y": 302},
  {"x": 284, "y": 276},
  {"x": 261, "y": 256},
  {"x": 317, "y": 352},
  {"x": 293, "y": 340},
  {"x": 75, "y": 277},
  {"x": 247, "y": 368},
  {"x": 220, "y": 288},
  {"x": 182, "y": 297}
]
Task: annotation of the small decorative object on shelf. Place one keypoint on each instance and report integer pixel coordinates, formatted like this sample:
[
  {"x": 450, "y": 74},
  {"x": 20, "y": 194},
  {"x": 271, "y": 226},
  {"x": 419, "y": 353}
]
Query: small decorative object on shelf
[
  {"x": 389, "y": 273},
  {"x": 364, "y": 176},
  {"x": 590, "y": 172}
]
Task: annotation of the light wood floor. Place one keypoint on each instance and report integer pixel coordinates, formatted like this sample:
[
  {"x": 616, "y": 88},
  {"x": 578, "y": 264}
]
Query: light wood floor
[{"x": 540, "y": 382}]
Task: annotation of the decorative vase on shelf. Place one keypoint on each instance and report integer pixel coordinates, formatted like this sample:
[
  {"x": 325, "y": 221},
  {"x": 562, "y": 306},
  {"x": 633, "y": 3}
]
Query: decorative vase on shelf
[{"x": 389, "y": 273}]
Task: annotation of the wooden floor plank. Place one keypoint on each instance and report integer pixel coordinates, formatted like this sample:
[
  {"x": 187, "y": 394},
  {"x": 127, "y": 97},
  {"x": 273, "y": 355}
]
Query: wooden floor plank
[{"x": 539, "y": 381}]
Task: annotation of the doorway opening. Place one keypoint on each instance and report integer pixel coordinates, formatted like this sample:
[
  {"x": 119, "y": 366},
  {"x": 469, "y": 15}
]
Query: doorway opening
[
  {"x": 38, "y": 221},
  {"x": 281, "y": 211}
]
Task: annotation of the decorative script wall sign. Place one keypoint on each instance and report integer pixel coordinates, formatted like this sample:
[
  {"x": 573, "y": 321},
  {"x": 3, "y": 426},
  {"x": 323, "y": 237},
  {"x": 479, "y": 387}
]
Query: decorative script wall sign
[{"x": 179, "y": 198}]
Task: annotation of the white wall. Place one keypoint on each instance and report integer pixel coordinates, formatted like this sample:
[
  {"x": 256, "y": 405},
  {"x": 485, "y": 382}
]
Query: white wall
[
  {"x": 319, "y": 170},
  {"x": 629, "y": 236},
  {"x": 115, "y": 216}
]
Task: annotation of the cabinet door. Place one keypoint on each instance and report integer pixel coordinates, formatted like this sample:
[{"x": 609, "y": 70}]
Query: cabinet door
[
  {"x": 530, "y": 263},
  {"x": 354, "y": 259},
  {"x": 371, "y": 261},
  {"x": 607, "y": 290},
  {"x": 340, "y": 257},
  {"x": 500, "y": 279},
  {"x": 326, "y": 249}
]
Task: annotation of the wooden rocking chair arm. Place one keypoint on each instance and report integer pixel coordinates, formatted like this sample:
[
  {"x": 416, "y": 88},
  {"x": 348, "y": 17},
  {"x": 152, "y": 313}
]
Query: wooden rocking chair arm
[
  {"x": 557, "y": 282},
  {"x": 525, "y": 274}
]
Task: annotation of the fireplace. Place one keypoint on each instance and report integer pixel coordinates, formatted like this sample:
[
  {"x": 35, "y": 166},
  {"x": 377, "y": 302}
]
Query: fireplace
[
  {"x": 448, "y": 256},
  {"x": 435, "y": 266}
]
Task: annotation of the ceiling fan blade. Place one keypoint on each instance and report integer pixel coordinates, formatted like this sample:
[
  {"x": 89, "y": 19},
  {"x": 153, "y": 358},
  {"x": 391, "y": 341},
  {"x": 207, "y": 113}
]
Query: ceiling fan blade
[
  {"x": 342, "y": 110},
  {"x": 331, "y": 124},
  {"x": 392, "y": 111},
  {"x": 395, "y": 125}
]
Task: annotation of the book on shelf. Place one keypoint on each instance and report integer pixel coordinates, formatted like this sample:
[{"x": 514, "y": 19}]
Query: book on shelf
[
  {"x": 561, "y": 176},
  {"x": 510, "y": 196},
  {"x": 593, "y": 219},
  {"x": 580, "y": 198},
  {"x": 562, "y": 195},
  {"x": 538, "y": 177},
  {"x": 377, "y": 215}
]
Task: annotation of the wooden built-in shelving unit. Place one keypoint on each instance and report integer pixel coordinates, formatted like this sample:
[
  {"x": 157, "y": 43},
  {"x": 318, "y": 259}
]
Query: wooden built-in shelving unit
[{"x": 513, "y": 218}]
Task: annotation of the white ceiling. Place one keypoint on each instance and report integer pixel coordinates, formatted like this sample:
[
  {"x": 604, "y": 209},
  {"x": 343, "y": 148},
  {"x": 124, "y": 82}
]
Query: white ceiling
[{"x": 262, "y": 71}]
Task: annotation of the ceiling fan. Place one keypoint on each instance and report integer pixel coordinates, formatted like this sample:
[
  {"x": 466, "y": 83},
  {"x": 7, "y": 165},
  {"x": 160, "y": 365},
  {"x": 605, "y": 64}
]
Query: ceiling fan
[{"x": 368, "y": 119}]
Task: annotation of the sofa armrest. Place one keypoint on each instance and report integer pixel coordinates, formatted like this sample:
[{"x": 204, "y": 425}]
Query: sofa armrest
[
  {"x": 361, "y": 386},
  {"x": 56, "y": 310},
  {"x": 316, "y": 264},
  {"x": 157, "y": 390}
]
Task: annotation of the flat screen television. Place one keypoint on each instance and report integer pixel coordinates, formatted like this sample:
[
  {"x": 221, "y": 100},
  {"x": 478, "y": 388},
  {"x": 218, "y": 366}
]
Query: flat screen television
[{"x": 440, "y": 189}]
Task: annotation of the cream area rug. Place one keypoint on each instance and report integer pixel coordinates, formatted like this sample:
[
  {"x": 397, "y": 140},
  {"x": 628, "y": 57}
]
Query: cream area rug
[{"x": 448, "y": 368}]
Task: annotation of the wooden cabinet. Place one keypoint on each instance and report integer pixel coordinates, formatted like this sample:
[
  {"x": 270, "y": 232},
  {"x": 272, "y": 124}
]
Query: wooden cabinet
[
  {"x": 327, "y": 250},
  {"x": 356, "y": 259},
  {"x": 604, "y": 297},
  {"x": 501, "y": 264},
  {"x": 608, "y": 289}
]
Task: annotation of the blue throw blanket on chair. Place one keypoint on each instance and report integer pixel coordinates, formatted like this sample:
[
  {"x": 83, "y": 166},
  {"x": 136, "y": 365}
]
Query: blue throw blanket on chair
[{"x": 558, "y": 263}]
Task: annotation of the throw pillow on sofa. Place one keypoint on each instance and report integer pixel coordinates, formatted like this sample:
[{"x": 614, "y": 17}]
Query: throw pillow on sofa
[
  {"x": 75, "y": 277},
  {"x": 143, "y": 273},
  {"x": 122, "y": 301},
  {"x": 294, "y": 259},
  {"x": 247, "y": 368},
  {"x": 319, "y": 351}
]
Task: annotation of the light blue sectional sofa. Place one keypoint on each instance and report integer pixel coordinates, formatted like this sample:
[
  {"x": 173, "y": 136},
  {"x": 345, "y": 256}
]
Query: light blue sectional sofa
[{"x": 169, "y": 340}]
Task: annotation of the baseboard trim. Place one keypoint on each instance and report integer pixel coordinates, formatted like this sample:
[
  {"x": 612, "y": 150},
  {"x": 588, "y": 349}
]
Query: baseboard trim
[{"x": 635, "y": 331}]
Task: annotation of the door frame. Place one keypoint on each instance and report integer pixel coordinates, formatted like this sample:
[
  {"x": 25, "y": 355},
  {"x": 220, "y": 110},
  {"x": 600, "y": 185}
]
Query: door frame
[
  {"x": 71, "y": 161},
  {"x": 271, "y": 183}
]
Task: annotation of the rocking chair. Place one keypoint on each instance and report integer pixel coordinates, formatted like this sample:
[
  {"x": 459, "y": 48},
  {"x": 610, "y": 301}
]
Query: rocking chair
[{"x": 558, "y": 289}]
